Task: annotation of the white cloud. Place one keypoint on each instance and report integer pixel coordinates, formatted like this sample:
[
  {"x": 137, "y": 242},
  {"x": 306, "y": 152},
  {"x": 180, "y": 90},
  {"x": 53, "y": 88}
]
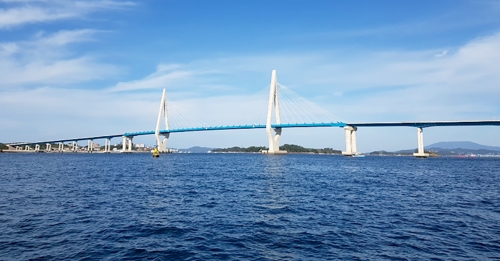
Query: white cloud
[
  {"x": 29, "y": 12},
  {"x": 198, "y": 76},
  {"x": 22, "y": 15},
  {"x": 48, "y": 57},
  {"x": 65, "y": 37},
  {"x": 103, "y": 4},
  {"x": 417, "y": 86},
  {"x": 7, "y": 49},
  {"x": 47, "y": 60},
  {"x": 55, "y": 72},
  {"x": 164, "y": 76},
  {"x": 443, "y": 53}
]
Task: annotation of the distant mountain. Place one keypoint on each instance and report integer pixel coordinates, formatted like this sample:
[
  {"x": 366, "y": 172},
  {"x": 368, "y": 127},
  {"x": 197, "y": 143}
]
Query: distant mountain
[
  {"x": 465, "y": 152},
  {"x": 196, "y": 149},
  {"x": 466, "y": 145},
  {"x": 450, "y": 148},
  {"x": 410, "y": 151}
]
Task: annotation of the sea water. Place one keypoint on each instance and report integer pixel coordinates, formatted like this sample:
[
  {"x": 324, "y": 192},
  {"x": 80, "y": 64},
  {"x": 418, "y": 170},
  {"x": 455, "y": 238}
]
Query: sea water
[{"x": 247, "y": 207}]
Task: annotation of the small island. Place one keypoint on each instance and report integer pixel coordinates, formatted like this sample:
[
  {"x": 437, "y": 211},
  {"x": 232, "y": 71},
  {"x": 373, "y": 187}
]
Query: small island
[
  {"x": 401, "y": 153},
  {"x": 290, "y": 148}
]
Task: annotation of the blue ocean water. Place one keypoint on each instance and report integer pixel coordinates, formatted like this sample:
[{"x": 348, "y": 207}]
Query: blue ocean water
[{"x": 247, "y": 207}]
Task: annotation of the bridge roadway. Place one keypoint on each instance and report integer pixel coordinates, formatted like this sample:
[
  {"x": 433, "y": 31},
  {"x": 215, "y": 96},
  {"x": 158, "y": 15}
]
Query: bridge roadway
[
  {"x": 209, "y": 128},
  {"x": 241, "y": 127},
  {"x": 426, "y": 124},
  {"x": 417, "y": 124}
]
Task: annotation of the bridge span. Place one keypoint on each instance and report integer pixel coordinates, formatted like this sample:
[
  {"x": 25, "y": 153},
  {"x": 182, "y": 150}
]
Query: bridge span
[
  {"x": 273, "y": 126},
  {"x": 351, "y": 128}
]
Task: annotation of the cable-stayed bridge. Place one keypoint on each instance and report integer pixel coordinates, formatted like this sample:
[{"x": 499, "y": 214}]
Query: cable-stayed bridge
[{"x": 285, "y": 109}]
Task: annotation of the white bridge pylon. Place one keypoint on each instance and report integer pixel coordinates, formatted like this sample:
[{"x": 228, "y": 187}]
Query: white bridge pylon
[
  {"x": 274, "y": 106},
  {"x": 162, "y": 142},
  {"x": 273, "y": 118}
]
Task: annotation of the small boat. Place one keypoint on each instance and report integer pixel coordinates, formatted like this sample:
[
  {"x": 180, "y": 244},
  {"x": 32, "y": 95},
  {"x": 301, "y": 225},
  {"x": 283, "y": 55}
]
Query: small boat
[
  {"x": 156, "y": 153},
  {"x": 358, "y": 156}
]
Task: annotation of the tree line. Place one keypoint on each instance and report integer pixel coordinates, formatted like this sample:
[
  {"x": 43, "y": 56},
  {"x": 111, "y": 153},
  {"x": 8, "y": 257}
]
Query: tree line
[{"x": 291, "y": 148}]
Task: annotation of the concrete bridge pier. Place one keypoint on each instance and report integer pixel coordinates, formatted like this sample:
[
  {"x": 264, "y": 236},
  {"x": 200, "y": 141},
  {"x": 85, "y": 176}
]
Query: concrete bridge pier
[
  {"x": 162, "y": 144},
  {"x": 420, "y": 149},
  {"x": 60, "y": 147},
  {"x": 127, "y": 144},
  {"x": 130, "y": 143},
  {"x": 107, "y": 145},
  {"x": 350, "y": 141},
  {"x": 274, "y": 141},
  {"x": 37, "y": 147},
  {"x": 27, "y": 147},
  {"x": 124, "y": 143},
  {"x": 75, "y": 146},
  {"x": 90, "y": 146},
  {"x": 48, "y": 147}
]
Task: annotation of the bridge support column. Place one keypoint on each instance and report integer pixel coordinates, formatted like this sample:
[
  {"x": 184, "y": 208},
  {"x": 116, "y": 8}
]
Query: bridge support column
[
  {"x": 60, "y": 147},
  {"x": 162, "y": 144},
  {"x": 75, "y": 146},
  {"x": 27, "y": 147},
  {"x": 273, "y": 105},
  {"x": 274, "y": 141},
  {"x": 420, "y": 149},
  {"x": 350, "y": 141},
  {"x": 124, "y": 143},
  {"x": 107, "y": 145},
  {"x": 48, "y": 147},
  {"x": 130, "y": 143},
  {"x": 90, "y": 146},
  {"x": 37, "y": 147},
  {"x": 127, "y": 144}
]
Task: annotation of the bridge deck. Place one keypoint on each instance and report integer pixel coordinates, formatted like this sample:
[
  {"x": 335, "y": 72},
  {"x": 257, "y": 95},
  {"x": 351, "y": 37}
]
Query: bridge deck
[
  {"x": 418, "y": 124},
  {"x": 426, "y": 124},
  {"x": 241, "y": 127}
]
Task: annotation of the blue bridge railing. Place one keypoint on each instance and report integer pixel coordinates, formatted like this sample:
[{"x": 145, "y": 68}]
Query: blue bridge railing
[{"x": 240, "y": 127}]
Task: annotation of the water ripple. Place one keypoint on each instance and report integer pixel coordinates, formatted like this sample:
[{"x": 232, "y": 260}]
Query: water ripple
[{"x": 247, "y": 207}]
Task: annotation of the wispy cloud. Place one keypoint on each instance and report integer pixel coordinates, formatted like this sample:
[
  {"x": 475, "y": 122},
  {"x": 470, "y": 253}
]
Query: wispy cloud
[
  {"x": 68, "y": 36},
  {"x": 55, "y": 72},
  {"x": 197, "y": 76},
  {"x": 443, "y": 53},
  {"x": 461, "y": 85},
  {"x": 154, "y": 81},
  {"x": 23, "y": 15},
  {"x": 7, "y": 49},
  {"x": 103, "y": 4},
  {"x": 46, "y": 59},
  {"x": 21, "y": 12}
]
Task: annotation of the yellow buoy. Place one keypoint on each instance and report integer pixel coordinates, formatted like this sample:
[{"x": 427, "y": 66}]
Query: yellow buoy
[{"x": 156, "y": 153}]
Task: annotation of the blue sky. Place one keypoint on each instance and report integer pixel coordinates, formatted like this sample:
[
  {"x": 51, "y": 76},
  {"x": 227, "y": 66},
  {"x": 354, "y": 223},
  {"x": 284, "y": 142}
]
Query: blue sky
[{"x": 82, "y": 68}]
